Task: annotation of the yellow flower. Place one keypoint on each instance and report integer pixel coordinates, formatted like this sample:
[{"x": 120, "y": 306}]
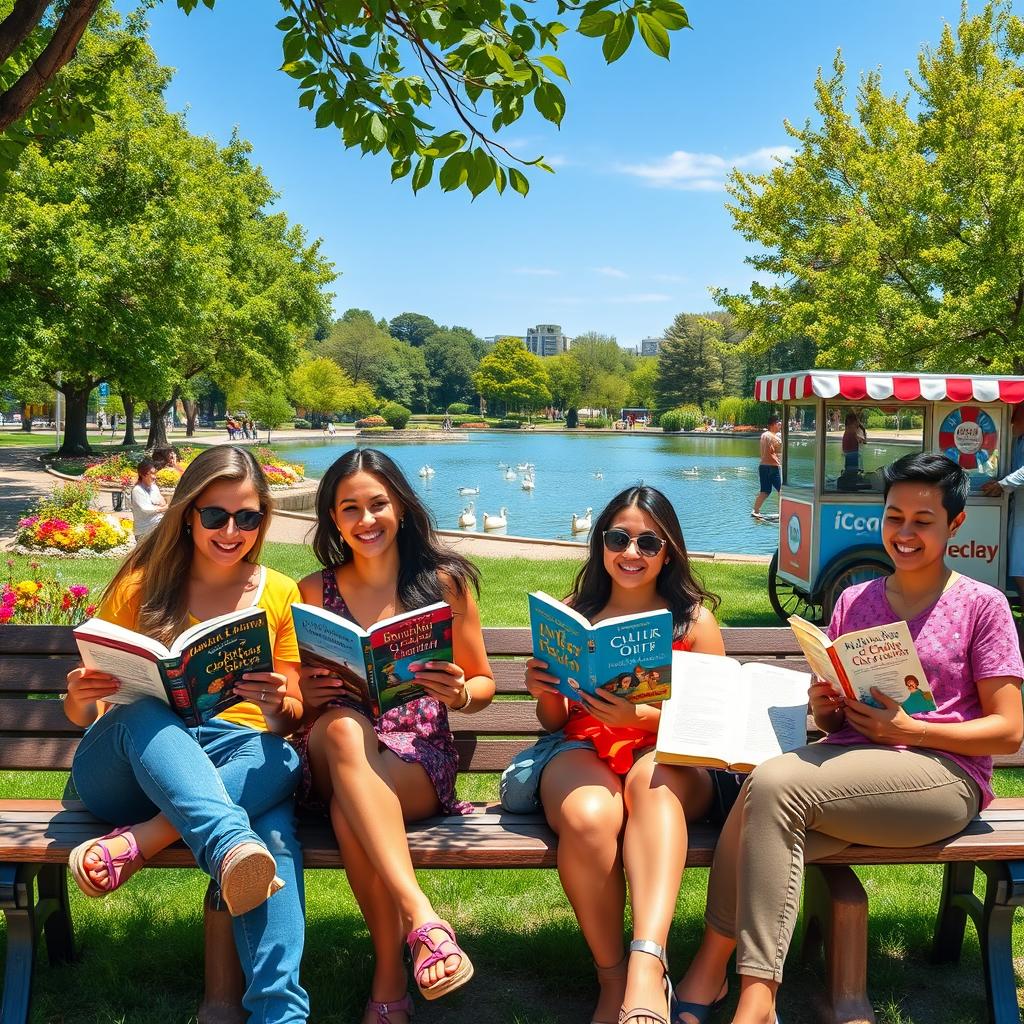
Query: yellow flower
[{"x": 27, "y": 588}]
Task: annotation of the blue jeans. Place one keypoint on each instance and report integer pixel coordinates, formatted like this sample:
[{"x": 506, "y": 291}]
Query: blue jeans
[{"x": 219, "y": 784}]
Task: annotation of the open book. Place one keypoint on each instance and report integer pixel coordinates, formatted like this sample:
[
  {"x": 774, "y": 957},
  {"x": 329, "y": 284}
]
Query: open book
[
  {"x": 195, "y": 675},
  {"x": 726, "y": 715},
  {"x": 883, "y": 657},
  {"x": 630, "y": 655},
  {"x": 374, "y": 663}
]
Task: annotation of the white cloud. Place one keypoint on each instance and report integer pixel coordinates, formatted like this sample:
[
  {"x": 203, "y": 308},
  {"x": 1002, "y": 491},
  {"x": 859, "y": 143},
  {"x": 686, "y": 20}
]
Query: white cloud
[
  {"x": 557, "y": 160},
  {"x": 536, "y": 272},
  {"x": 671, "y": 278},
  {"x": 703, "y": 172},
  {"x": 641, "y": 297},
  {"x": 610, "y": 272}
]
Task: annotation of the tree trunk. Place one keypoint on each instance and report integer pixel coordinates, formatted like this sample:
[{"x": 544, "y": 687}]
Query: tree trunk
[
  {"x": 26, "y": 419},
  {"x": 128, "y": 401},
  {"x": 157, "y": 428},
  {"x": 76, "y": 401},
  {"x": 191, "y": 414}
]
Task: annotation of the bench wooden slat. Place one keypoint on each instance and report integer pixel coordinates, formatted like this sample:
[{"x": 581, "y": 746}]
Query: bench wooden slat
[
  {"x": 20, "y": 674},
  {"x": 39, "y": 717},
  {"x": 37, "y": 640}
]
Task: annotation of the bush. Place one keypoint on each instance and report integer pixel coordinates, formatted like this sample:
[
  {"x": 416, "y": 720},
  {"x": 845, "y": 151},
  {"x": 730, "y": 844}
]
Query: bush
[
  {"x": 458, "y": 409},
  {"x": 43, "y": 599},
  {"x": 597, "y": 423},
  {"x": 371, "y": 421},
  {"x": 572, "y": 419},
  {"x": 303, "y": 424},
  {"x": 376, "y": 429},
  {"x": 670, "y": 420},
  {"x": 690, "y": 417},
  {"x": 741, "y": 412},
  {"x": 508, "y": 424},
  {"x": 396, "y": 415}
]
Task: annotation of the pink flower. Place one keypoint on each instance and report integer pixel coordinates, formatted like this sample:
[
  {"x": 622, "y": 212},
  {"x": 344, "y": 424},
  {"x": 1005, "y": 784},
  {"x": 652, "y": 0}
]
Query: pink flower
[
  {"x": 78, "y": 591},
  {"x": 6, "y": 613},
  {"x": 91, "y": 610}
]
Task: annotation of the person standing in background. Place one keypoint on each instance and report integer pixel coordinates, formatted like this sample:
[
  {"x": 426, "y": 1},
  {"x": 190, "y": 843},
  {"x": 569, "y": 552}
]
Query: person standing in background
[
  {"x": 1013, "y": 481},
  {"x": 770, "y": 468}
]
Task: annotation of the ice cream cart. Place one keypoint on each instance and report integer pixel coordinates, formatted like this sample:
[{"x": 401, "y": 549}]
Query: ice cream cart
[{"x": 840, "y": 428}]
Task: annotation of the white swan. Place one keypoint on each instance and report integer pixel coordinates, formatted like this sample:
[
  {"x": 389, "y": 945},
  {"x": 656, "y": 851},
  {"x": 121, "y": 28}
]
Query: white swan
[
  {"x": 468, "y": 519},
  {"x": 718, "y": 478},
  {"x": 426, "y": 470},
  {"x": 469, "y": 490},
  {"x": 510, "y": 474},
  {"x": 522, "y": 466},
  {"x": 580, "y": 524},
  {"x": 528, "y": 483},
  {"x": 496, "y": 522},
  {"x": 599, "y": 475},
  {"x": 691, "y": 472}
]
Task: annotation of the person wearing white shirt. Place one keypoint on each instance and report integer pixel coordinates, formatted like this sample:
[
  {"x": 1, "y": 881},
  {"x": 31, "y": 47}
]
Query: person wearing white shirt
[
  {"x": 1014, "y": 481},
  {"x": 148, "y": 504}
]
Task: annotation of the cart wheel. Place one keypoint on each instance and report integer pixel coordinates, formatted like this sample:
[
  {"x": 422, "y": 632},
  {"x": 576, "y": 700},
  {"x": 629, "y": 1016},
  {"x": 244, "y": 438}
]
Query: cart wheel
[
  {"x": 787, "y": 600},
  {"x": 856, "y": 572}
]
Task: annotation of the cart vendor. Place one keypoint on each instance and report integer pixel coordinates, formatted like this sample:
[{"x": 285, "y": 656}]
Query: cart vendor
[{"x": 1014, "y": 481}]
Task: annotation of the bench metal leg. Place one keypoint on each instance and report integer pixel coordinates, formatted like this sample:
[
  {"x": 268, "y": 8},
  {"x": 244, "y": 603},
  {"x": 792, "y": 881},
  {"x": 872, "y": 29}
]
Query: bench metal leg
[
  {"x": 1003, "y": 894},
  {"x": 17, "y": 899},
  {"x": 54, "y": 909},
  {"x": 956, "y": 904},
  {"x": 836, "y": 915},
  {"x": 225, "y": 982}
]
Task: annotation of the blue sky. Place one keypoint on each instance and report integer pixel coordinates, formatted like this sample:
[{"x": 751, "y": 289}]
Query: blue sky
[{"x": 630, "y": 231}]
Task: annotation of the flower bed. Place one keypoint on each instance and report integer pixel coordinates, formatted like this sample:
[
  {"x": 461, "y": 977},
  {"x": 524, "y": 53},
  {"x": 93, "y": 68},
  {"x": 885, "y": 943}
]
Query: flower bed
[
  {"x": 42, "y": 599},
  {"x": 93, "y": 534},
  {"x": 372, "y": 421}
]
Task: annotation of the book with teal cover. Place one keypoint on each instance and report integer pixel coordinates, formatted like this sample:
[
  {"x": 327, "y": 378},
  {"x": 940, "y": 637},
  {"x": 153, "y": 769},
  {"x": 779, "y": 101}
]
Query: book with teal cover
[
  {"x": 374, "y": 664},
  {"x": 629, "y": 655},
  {"x": 195, "y": 675}
]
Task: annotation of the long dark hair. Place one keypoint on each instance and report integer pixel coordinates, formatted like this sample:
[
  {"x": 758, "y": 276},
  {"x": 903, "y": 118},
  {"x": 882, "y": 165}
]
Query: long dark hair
[
  {"x": 683, "y": 592},
  {"x": 421, "y": 554}
]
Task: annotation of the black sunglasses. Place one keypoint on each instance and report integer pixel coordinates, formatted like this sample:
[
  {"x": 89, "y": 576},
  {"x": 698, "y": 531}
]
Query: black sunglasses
[
  {"x": 246, "y": 519},
  {"x": 648, "y": 544}
]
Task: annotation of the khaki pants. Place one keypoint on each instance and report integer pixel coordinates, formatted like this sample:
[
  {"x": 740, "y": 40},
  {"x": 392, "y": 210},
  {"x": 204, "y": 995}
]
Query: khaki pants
[{"x": 810, "y": 803}]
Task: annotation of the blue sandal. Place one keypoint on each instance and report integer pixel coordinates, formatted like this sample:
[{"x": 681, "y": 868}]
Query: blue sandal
[{"x": 700, "y": 1012}]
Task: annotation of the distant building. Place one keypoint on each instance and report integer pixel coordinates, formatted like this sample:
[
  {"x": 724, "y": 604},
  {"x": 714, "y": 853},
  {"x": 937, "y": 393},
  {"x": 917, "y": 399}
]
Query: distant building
[
  {"x": 546, "y": 340},
  {"x": 650, "y": 346},
  {"x": 492, "y": 338}
]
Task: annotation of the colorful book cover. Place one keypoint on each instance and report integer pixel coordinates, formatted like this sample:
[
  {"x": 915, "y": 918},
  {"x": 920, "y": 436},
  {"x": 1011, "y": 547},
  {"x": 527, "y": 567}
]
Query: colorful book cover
[
  {"x": 375, "y": 663},
  {"x": 629, "y": 655}
]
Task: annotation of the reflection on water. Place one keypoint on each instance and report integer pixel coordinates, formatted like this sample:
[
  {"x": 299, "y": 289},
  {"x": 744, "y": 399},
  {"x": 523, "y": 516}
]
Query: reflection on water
[{"x": 711, "y": 481}]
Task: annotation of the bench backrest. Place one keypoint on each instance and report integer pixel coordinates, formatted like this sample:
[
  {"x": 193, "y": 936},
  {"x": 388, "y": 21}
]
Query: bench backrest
[{"x": 35, "y": 734}]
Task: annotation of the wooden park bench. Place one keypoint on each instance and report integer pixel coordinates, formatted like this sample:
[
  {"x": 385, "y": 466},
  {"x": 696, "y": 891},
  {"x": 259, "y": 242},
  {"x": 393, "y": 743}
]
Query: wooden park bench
[{"x": 36, "y": 837}]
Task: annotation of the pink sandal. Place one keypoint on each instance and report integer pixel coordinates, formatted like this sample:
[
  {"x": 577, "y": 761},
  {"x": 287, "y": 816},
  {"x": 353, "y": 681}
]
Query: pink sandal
[
  {"x": 384, "y": 1010},
  {"x": 120, "y": 867},
  {"x": 438, "y": 953}
]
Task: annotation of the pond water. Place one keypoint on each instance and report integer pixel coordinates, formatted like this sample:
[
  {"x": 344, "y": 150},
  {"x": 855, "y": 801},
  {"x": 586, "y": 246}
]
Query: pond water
[{"x": 711, "y": 481}]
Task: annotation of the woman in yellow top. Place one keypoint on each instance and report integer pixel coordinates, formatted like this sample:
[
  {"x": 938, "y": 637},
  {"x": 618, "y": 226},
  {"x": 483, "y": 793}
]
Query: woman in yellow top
[{"x": 226, "y": 786}]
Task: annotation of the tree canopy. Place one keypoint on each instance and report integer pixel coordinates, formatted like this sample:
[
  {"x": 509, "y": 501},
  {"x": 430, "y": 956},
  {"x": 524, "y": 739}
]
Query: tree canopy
[
  {"x": 375, "y": 72},
  {"x": 510, "y": 375},
  {"x": 894, "y": 237}
]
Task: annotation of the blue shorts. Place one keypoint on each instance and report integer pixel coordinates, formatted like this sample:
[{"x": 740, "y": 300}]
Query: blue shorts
[{"x": 771, "y": 477}]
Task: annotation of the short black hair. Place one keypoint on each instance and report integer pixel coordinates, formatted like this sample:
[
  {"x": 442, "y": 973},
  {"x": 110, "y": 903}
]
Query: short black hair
[
  {"x": 935, "y": 470},
  {"x": 774, "y": 418}
]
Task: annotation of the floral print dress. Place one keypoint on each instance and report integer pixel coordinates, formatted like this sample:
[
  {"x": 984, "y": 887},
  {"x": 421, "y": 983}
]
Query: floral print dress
[{"x": 417, "y": 732}]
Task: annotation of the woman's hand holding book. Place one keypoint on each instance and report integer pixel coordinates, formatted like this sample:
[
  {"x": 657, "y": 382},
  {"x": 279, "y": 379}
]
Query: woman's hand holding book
[
  {"x": 827, "y": 706},
  {"x": 265, "y": 689},
  {"x": 889, "y": 724},
  {"x": 86, "y": 686},
  {"x": 444, "y": 681},
  {"x": 620, "y": 713}
]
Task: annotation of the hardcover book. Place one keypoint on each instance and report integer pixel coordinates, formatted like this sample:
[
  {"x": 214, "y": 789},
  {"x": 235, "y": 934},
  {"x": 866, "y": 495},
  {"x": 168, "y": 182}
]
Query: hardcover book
[
  {"x": 883, "y": 657},
  {"x": 195, "y": 675},
  {"x": 629, "y": 655},
  {"x": 374, "y": 663}
]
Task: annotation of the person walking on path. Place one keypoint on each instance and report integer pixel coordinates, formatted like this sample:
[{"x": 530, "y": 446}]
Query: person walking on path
[
  {"x": 1014, "y": 481},
  {"x": 770, "y": 468}
]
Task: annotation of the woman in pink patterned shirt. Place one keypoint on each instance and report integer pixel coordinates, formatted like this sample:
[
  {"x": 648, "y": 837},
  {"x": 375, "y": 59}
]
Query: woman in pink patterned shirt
[{"x": 880, "y": 776}]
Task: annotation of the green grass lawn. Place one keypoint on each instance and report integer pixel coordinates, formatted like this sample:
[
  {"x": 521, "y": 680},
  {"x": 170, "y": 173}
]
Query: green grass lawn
[{"x": 142, "y": 950}]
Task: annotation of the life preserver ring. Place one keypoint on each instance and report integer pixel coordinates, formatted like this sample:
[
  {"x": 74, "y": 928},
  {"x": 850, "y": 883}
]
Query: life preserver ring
[{"x": 969, "y": 437}]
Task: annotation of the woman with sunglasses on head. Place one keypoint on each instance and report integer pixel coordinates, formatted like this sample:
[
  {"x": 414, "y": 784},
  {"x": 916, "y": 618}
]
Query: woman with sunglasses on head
[
  {"x": 618, "y": 815},
  {"x": 381, "y": 556},
  {"x": 224, "y": 787},
  {"x": 881, "y": 776}
]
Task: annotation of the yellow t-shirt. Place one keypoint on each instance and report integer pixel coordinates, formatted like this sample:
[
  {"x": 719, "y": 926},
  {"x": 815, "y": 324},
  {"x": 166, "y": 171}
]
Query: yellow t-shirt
[{"x": 274, "y": 594}]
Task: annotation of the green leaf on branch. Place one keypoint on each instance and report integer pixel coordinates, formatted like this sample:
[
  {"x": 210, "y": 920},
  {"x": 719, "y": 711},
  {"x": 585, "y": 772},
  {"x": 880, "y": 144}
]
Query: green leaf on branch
[
  {"x": 325, "y": 113},
  {"x": 550, "y": 102},
  {"x": 555, "y": 65},
  {"x": 616, "y": 43},
  {"x": 653, "y": 34},
  {"x": 598, "y": 24},
  {"x": 481, "y": 175},
  {"x": 455, "y": 171},
  {"x": 423, "y": 173},
  {"x": 518, "y": 181}
]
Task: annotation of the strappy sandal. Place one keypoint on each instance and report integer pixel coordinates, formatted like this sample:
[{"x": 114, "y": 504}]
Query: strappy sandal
[
  {"x": 613, "y": 973},
  {"x": 120, "y": 866},
  {"x": 384, "y": 1010},
  {"x": 438, "y": 952},
  {"x": 700, "y": 1012},
  {"x": 647, "y": 946},
  {"x": 248, "y": 878}
]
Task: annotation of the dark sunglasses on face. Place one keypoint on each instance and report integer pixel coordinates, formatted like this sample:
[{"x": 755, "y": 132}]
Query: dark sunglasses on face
[
  {"x": 648, "y": 544},
  {"x": 246, "y": 519}
]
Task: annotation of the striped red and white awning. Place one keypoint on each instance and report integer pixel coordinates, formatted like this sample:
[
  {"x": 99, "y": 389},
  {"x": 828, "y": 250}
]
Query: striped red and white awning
[{"x": 888, "y": 387}]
